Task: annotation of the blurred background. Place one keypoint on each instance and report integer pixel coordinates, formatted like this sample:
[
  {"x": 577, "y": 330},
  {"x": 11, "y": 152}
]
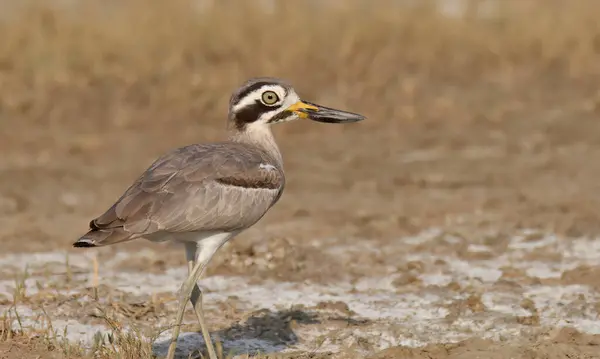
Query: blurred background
[
  {"x": 482, "y": 117},
  {"x": 474, "y": 107}
]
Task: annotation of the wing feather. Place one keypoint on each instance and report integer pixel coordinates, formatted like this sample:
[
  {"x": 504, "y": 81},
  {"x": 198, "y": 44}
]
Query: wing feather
[{"x": 224, "y": 186}]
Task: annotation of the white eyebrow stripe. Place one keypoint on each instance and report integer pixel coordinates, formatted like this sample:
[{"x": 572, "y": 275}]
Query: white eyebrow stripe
[{"x": 255, "y": 95}]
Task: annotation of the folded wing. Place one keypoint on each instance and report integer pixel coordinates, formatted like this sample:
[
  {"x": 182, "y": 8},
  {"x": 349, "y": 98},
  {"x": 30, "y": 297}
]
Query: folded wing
[{"x": 216, "y": 187}]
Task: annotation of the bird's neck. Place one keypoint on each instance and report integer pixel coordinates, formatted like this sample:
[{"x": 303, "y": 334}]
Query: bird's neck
[{"x": 258, "y": 135}]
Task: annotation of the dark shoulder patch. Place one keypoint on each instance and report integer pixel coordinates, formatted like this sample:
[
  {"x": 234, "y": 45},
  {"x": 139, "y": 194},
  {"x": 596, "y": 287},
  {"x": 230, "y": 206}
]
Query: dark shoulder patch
[{"x": 261, "y": 182}]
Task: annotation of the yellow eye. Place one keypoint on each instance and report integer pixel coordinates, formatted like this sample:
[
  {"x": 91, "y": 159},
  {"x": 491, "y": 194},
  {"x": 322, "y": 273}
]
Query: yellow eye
[{"x": 270, "y": 98}]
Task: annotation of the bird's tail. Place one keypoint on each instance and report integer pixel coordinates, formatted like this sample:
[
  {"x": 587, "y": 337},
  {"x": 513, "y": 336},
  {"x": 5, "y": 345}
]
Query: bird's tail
[{"x": 103, "y": 237}]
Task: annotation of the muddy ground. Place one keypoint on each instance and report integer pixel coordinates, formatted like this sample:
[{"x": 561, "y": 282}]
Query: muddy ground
[{"x": 461, "y": 220}]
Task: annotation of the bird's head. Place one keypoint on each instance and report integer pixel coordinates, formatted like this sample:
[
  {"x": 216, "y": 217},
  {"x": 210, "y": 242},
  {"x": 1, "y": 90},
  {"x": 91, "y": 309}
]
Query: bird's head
[{"x": 266, "y": 101}]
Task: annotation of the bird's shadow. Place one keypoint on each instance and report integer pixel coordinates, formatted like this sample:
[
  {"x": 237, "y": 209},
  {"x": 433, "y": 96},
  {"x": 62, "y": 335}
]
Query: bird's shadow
[{"x": 264, "y": 332}]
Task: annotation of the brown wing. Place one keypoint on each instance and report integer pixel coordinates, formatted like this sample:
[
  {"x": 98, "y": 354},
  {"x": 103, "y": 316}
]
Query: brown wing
[{"x": 216, "y": 187}]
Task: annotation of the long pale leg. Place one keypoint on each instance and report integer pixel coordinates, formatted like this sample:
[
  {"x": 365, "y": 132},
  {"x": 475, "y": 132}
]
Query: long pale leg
[
  {"x": 95, "y": 280},
  {"x": 191, "y": 250},
  {"x": 206, "y": 249}
]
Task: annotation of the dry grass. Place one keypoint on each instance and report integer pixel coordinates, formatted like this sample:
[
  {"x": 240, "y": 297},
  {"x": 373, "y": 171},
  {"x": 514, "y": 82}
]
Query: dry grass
[
  {"x": 124, "y": 61},
  {"x": 118, "y": 344},
  {"x": 99, "y": 66},
  {"x": 120, "y": 341}
]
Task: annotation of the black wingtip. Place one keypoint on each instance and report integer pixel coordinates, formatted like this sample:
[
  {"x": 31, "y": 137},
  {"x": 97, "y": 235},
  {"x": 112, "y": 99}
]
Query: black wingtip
[{"x": 83, "y": 243}]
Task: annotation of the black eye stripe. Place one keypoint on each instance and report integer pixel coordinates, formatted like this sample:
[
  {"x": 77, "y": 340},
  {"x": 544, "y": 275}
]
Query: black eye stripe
[
  {"x": 251, "y": 113},
  {"x": 266, "y": 99},
  {"x": 252, "y": 88},
  {"x": 280, "y": 116}
]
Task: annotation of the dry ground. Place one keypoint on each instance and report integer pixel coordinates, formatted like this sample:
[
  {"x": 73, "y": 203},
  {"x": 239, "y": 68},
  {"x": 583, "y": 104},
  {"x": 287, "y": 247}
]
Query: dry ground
[{"x": 460, "y": 221}]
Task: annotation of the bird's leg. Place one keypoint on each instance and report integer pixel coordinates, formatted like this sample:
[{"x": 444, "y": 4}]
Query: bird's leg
[
  {"x": 184, "y": 297},
  {"x": 205, "y": 252},
  {"x": 190, "y": 252},
  {"x": 95, "y": 280}
]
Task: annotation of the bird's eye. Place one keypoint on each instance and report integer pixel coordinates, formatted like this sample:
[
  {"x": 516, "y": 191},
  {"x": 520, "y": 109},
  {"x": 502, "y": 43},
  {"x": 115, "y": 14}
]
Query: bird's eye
[{"x": 269, "y": 98}]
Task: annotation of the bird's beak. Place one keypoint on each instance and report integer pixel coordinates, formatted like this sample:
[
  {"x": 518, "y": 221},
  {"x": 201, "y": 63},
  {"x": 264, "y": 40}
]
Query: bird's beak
[{"x": 320, "y": 113}]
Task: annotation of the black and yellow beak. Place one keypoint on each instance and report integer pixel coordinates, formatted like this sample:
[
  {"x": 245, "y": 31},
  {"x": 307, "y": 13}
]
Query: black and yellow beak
[{"x": 320, "y": 113}]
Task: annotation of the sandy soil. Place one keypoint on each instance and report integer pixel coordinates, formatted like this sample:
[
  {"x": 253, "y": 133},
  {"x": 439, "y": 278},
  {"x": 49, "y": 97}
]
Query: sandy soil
[{"x": 479, "y": 233}]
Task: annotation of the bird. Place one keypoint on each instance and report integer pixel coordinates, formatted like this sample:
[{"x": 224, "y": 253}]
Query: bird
[{"x": 202, "y": 195}]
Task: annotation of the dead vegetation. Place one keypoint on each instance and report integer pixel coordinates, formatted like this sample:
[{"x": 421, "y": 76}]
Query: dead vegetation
[
  {"x": 77, "y": 80},
  {"x": 110, "y": 65}
]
